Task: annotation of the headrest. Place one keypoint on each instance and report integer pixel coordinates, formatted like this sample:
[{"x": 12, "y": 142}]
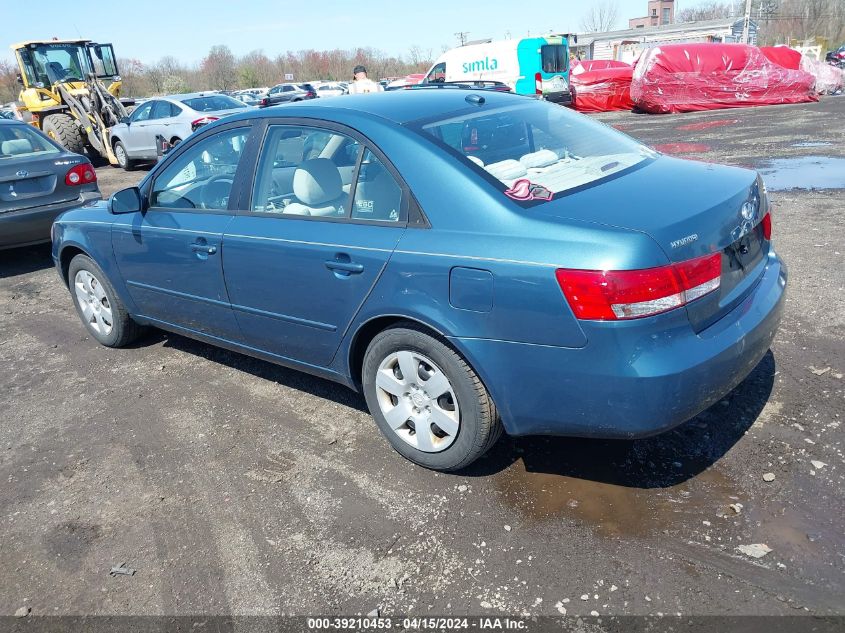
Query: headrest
[
  {"x": 16, "y": 146},
  {"x": 476, "y": 160},
  {"x": 542, "y": 158},
  {"x": 317, "y": 181}
]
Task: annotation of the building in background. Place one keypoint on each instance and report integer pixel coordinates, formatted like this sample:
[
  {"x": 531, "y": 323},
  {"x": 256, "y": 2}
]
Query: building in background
[
  {"x": 627, "y": 45},
  {"x": 660, "y": 12}
]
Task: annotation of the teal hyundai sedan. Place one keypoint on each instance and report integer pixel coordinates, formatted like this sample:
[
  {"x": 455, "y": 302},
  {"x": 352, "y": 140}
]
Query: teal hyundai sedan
[{"x": 473, "y": 262}]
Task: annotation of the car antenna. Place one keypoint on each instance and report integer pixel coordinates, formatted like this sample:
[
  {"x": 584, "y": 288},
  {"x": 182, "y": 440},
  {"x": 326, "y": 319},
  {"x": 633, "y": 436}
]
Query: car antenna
[{"x": 476, "y": 99}]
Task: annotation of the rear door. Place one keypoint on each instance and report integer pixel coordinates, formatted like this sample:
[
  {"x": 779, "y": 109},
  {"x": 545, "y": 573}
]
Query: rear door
[
  {"x": 298, "y": 268},
  {"x": 171, "y": 255}
]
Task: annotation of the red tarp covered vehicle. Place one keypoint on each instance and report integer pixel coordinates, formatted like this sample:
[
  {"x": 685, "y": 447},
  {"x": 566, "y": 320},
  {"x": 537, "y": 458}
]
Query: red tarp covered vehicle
[
  {"x": 690, "y": 77},
  {"x": 601, "y": 86},
  {"x": 829, "y": 79}
]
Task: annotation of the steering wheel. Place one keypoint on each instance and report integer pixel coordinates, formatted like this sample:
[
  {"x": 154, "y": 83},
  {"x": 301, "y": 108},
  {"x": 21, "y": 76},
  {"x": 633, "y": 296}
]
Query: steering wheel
[{"x": 215, "y": 192}]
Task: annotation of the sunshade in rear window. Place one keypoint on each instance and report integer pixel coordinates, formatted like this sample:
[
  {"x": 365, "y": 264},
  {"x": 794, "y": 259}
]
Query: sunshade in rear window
[
  {"x": 537, "y": 149},
  {"x": 17, "y": 141}
]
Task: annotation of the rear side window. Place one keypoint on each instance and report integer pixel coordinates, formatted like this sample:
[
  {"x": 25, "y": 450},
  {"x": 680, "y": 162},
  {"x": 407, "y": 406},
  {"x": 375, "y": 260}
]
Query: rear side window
[
  {"x": 305, "y": 171},
  {"x": 553, "y": 58},
  {"x": 378, "y": 197},
  {"x": 536, "y": 150},
  {"x": 161, "y": 110}
]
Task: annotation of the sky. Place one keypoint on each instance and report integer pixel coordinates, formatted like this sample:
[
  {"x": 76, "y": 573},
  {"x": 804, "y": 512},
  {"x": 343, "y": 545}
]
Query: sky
[{"x": 186, "y": 29}]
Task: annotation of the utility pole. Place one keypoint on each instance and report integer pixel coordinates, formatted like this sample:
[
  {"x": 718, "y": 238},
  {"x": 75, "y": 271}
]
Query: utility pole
[
  {"x": 746, "y": 24},
  {"x": 462, "y": 36}
]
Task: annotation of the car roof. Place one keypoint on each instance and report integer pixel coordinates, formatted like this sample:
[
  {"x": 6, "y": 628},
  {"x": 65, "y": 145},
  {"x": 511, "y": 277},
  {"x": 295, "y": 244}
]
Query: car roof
[
  {"x": 189, "y": 95},
  {"x": 11, "y": 122},
  {"x": 399, "y": 106}
]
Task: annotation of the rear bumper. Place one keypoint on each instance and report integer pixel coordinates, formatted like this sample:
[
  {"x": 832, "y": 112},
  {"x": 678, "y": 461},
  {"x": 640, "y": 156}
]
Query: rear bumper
[
  {"x": 634, "y": 378},
  {"x": 32, "y": 226}
]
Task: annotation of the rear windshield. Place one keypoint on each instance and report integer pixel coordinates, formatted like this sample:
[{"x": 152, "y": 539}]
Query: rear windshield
[
  {"x": 210, "y": 103},
  {"x": 553, "y": 58},
  {"x": 536, "y": 149},
  {"x": 17, "y": 141}
]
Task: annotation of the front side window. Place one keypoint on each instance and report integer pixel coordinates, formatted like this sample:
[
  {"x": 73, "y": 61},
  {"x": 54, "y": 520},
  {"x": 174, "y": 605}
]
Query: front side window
[
  {"x": 142, "y": 112},
  {"x": 536, "y": 150},
  {"x": 378, "y": 196},
  {"x": 437, "y": 74},
  {"x": 305, "y": 171},
  {"x": 202, "y": 176},
  {"x": 18, "y": 141}
]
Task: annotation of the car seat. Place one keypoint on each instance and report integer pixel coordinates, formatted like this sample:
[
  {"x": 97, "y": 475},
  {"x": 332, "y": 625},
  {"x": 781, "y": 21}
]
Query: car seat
[
  {"x": 378, "y": 199},
  {"x": 318, "y": 188}
]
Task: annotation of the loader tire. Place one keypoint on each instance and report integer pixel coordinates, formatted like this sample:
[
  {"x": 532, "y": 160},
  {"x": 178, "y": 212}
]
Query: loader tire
[{"x": 63, "y": 129}]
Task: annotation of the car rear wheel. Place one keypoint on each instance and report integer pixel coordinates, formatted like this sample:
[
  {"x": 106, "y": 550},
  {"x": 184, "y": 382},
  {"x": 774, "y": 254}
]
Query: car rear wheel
[
  {"x": 122, "y": 157},
  {"x": 100, "y": 309},
  {"x": 427, "y": 401}
]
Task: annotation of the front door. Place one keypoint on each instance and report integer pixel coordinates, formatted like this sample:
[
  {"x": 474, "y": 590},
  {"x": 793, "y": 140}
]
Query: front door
[
  {"x": 306, "y": 251},
  {"x": 139, "y": 142},
  {"x": 171, "y": 255}
]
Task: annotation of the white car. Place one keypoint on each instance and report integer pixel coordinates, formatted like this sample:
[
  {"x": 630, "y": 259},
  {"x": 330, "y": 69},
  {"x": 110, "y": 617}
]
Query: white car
[
  {"x": 174, "y": 118},
  {"x": 330, "y": 89}
]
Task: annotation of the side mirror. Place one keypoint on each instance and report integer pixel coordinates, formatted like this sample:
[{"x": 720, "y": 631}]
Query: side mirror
[
  {"x": 124, "y": 119},
  {"x": 126, "y": 201}
]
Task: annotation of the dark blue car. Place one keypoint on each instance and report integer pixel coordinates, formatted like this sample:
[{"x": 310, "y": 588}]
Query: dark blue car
[{"x": 472, "y": 261}]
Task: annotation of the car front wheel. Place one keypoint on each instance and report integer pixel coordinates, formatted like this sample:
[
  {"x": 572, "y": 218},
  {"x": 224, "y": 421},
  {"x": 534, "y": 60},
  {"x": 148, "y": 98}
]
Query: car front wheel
[
  {"x": 427, "y": 401},
  {"x": 101, "y": 310}
]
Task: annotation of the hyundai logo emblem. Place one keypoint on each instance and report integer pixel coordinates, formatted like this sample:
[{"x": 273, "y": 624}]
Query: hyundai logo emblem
[
  {"x": 22, "y": 173},
  {"x": 748, "y": 210}
]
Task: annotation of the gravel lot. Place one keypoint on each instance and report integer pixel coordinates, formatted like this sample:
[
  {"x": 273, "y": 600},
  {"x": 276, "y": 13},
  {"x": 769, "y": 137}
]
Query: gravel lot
[{"x": 237, "y": 487}]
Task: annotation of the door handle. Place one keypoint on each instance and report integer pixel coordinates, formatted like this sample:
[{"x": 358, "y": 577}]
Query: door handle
[
  {"x": 345, "y": 267},
  {"x": 203, "y": 248}
]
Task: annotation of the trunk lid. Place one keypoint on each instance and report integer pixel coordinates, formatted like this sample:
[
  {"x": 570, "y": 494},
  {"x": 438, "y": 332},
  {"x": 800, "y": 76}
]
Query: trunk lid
[
  {"x": 690, "y": 209},
  {"x": 36, "y": 181}
]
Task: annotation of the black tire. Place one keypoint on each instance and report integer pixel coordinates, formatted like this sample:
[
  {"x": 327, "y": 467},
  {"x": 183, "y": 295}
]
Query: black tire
[
  {"x": 479, "y": 425},
  {"x": 123, "y": 329},
  {"x": 123, "y": 162},
  {"x": 63, "y": 129}
]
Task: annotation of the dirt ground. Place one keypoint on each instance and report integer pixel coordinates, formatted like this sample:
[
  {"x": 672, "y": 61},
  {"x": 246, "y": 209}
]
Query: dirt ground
[{"x": 234, "y": 486}]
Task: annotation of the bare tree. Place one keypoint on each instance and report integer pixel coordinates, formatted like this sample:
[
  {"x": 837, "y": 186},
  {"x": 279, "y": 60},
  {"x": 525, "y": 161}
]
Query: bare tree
[
  {"x": 710, "y": 10},
  {"x": 219, "y": 68},
  {"x": 601, "y": 16},
  {"x": 9, "y": 87}
]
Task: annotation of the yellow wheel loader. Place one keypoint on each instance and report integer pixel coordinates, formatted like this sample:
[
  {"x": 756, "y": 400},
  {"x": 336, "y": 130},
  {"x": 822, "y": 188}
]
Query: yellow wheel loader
[{"x": 71, "y": 91}]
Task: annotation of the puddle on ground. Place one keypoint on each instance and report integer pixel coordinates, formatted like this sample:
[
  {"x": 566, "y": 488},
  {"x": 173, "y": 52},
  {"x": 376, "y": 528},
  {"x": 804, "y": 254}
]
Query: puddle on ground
[
  {"x": 610, "y": 509},
  {"x": 804, "y": 172}
]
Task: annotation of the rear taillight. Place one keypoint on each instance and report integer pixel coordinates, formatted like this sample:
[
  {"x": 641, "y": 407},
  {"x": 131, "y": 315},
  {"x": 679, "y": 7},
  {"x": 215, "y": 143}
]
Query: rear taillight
[
  {"x": 198, "y": 123},
  {"x": 80, "y": 175},
  {"x": 767, "y": 226},
  {"x": 538, "y": 83},
  {"x": 610, "y": 295},
  {"x": 264, "y": 102}
]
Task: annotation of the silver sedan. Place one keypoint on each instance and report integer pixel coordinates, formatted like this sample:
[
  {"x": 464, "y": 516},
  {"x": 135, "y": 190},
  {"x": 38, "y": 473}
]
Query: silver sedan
[{"x": 174, "y": 118}]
